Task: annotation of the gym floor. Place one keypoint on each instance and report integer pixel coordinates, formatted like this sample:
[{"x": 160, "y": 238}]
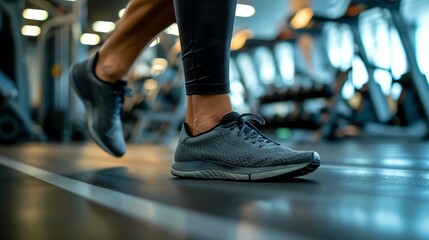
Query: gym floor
[{"x": 364, "y": 189}]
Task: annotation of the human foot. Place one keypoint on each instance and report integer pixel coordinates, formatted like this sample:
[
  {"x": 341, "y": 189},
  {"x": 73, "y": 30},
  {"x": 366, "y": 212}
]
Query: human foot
[{"x": 103, "y": 102}]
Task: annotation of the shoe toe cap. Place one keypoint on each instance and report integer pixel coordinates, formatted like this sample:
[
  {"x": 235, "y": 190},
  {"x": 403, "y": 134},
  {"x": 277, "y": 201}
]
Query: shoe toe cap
[
  {"x": 116, "y": 147},
  {"x": 316, "y": 157}
]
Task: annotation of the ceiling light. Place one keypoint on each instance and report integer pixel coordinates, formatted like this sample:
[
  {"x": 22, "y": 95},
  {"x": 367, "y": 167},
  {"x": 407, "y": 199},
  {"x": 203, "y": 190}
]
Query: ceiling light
[
  {"x": 244, "y": 10},
  {"x": 173, "y": 29},
  {"x": 155, "y": 42},
  {"x": 158, "y": 66},
  {"x": 103, "y": 26},
  {"x": 301, "y": 18},
  {"x": 35, "y": 14},
  {"x": 240, "y": 38},
  {"x": 89, "y": 39},
  {"x": 121, "y": 12},
  {"x": 29, "y": 30},
  {"x": 150, "y": 84}
]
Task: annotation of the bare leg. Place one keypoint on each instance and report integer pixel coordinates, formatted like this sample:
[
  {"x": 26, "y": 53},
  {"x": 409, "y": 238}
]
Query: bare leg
[
  {"x": 190, "y": 112},
  {"x": 142, "y": 21}
]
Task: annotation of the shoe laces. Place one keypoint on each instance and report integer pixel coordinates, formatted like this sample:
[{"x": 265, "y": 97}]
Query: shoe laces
[
  {"x": 118, "y": 93},
  {"x": 247, "y": 130}
]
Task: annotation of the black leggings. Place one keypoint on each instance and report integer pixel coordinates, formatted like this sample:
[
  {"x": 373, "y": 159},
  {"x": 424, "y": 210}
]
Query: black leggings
[{"x": 205, "y": 28}]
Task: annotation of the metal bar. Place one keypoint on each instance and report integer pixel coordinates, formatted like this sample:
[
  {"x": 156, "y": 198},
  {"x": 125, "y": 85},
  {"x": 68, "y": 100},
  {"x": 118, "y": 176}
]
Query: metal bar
[
  {"x": 41, "y": 47},
  {"x": 377, "y": 96},
  {"x": 419, "y": 80}
]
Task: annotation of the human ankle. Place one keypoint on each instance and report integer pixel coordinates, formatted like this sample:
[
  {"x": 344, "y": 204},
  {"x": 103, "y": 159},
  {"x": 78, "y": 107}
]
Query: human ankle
[
  {"x": 108, "y": 69},
  {"x": 208, "y": 111},
  {"x": 205, "y": 123},
  {"x": 108, "y": 73}
]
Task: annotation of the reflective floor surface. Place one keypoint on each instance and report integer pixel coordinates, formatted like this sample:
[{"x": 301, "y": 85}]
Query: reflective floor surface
[{"x": 363, "y": 190}]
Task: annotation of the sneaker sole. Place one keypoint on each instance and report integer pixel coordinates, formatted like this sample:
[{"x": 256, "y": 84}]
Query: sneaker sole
[
  {"x": 89, "y": 118},
  {"x": 208, "y": 170},
  {"x": 304, "y": 171}
]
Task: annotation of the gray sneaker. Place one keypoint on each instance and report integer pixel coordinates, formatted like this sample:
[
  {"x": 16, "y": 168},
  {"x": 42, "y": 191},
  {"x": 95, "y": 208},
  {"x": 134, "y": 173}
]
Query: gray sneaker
[
  {"x": 236, "y": 150},
  {"x": 103, "y": 103}
]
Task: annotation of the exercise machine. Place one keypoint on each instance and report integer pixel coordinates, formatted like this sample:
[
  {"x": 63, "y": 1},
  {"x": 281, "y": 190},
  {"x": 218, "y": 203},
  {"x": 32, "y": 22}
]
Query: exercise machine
[
  {"x": 15, "y": 112},
  {"x": 61, "y": 114}
]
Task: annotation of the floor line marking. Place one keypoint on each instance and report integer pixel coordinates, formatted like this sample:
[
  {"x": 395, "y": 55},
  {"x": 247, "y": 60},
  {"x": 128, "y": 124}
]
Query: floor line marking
[{"x": 177, "y": 220}]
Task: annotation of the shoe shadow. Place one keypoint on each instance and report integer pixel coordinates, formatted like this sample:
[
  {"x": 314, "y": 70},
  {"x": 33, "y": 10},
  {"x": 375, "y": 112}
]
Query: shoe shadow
[
  {"x": 273, "y": 186},
  {"x": 286, "y": 179},
  {"x": 114, "y": 178},
  {"x": 277, "y": 179}
]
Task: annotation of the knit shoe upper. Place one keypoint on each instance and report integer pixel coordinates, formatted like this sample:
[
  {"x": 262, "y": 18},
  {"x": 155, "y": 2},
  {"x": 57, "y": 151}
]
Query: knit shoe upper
[
  {"x": 103, "y": 102},
  {"x": 236, "y": 143}
]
